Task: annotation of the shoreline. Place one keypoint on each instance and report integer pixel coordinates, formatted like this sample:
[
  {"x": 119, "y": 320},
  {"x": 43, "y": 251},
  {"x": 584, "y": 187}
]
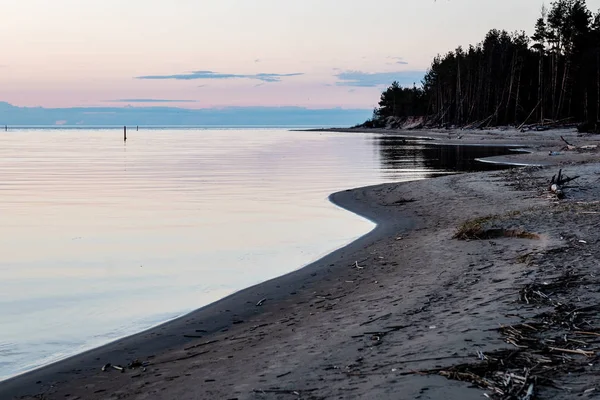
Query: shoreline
[
  {"x": 165, "y": 336},
  {"x": 175, "y": 319},
  {"x": 311, "y": 326},
  {"x": 106, "y": 347}
]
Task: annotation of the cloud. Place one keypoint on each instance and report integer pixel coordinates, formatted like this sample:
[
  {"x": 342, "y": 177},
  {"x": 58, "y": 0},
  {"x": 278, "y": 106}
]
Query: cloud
[
  {"x": 150, "y": 101},
  {"x": 374, "y": 79},
  {"x": 264, "y": 77},
  {"x": 398, "y": 60}
]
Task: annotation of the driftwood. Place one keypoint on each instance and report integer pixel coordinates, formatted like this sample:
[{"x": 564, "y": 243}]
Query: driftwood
[
  {"x": 546, "y": 124},
  {"x": 571, "y": 146},
  {"x": 557, "y": 183},
  {"x": 260, "y": 303},
  {"x": 564, "y": 140},
  {"x": 517, "y": 373}
]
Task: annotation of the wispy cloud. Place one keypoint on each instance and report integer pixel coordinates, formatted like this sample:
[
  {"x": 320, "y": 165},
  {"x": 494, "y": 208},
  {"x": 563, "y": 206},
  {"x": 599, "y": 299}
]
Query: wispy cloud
[
  {"x": 264, "y": 77},
  {"x": 150, "y": 101},
  {"x": 374, "y": 79},
  {"x": 397, "y": 60}
]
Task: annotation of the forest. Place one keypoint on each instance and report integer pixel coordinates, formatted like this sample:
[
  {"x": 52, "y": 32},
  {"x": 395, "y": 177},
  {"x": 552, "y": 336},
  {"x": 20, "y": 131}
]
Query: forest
[{"x": 549, "y": 78}]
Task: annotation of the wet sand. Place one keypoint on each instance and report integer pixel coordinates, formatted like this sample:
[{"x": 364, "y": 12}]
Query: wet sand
[{"x": 358, "y": 323}]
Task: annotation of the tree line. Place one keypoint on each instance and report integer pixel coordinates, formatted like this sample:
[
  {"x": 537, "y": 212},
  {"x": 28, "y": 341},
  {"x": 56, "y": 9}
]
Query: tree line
[{"x": 511, "y": 78}]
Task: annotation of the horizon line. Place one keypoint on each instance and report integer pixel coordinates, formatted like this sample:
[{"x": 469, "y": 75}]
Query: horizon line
[{"x": 129, "y": 107}]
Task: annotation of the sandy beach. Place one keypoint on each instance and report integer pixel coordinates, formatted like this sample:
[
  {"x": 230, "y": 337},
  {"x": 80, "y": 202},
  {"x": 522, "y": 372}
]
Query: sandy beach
[{"x": 467, "y": 280}]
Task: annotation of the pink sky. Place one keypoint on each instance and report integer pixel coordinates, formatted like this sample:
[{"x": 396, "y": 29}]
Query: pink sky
[{"x": 65, "y": 53}]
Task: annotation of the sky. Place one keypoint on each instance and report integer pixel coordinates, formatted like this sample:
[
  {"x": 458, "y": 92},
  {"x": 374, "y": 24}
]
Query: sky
[{"x": 219, "y": 53}]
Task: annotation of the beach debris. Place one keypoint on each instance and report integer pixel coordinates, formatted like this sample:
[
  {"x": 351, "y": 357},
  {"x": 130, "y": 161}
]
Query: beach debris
[
  {"x": 258, "y": 327},
  {"x": 260, "y": 303},
  {"x": 357, "y": 266},
  {"x": 481, "y": 229},
  {"x": 543, "y": 346},
  {"x": 529, "y": 394},
  {"x": 201, "y": 344},
  {"x": 573, "y": 147},
  {"x": 297, "y": 392},
  {"x": 119, "y": 368},
  {"x": 108, "y": 366},
  {"x": 386, "y": 316},
  {"x": 136, "y": 364},
  {"x": 567, "y": 143},
  {"x": 557, "y": 183}
]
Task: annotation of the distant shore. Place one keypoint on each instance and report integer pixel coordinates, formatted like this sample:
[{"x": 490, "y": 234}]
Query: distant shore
[{"x": 405, "y": 297}]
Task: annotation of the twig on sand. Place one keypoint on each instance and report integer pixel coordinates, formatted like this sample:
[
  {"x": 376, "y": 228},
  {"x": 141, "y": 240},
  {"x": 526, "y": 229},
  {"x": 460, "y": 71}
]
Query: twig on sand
[
  {"x": 201, "y": 344},
  {"x": 260, "y": 303},
  {"x": 564, "y": 140},
  {"x": 577, "y": 351},
  {"x": 296, "y": 392},
  {"x": 587, "y": 333},
  {"x": 376, "y": 319},
  {"x": 258, "y": 326},
  {"x": 331, "y": 298}
]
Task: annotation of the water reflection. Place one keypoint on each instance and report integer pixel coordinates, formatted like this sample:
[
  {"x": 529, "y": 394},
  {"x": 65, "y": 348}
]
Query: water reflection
[{"x": 398, "y": 154}]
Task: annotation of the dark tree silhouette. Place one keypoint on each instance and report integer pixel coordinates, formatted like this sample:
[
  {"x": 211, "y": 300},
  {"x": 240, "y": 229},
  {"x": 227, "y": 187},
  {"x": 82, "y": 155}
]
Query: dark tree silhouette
[{"x": 510, "y": 78}]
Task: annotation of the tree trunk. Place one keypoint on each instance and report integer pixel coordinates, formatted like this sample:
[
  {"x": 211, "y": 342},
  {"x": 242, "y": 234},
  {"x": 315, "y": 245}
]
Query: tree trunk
[
  {"x": 541, "y": 85},
  {"x": 597, "y": 86},
  {"x": 520, "y": 69}
]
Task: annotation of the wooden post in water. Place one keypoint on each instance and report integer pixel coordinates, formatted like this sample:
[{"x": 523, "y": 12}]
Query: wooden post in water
[{"x": 125, "y": 133}]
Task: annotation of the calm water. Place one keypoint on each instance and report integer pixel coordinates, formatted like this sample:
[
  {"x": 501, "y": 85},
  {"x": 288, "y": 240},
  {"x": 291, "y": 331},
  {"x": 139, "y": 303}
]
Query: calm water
[{"x": 100, "y": 239}]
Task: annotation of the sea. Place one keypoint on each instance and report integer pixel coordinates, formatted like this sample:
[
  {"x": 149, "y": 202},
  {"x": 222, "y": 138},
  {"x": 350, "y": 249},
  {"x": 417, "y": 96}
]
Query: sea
[{"x": 102, "y": 238}]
